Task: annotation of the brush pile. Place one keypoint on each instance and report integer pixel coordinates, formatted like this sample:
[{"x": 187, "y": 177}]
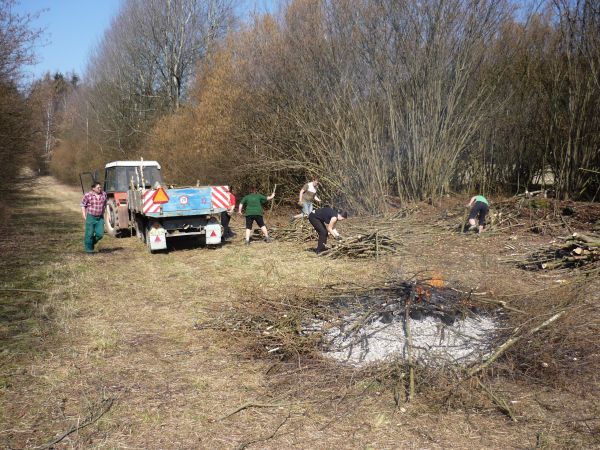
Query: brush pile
[
  {"x": 577, "y": 251},
  {"x": 539, "y": 215},
  {"x": 371, "y": 238},
  {"x": 368, "y": 245},
  {"x": 298, "y": 230}
]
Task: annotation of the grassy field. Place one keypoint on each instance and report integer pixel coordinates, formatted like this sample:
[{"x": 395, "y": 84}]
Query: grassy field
[{"x": 110, "y": 351}]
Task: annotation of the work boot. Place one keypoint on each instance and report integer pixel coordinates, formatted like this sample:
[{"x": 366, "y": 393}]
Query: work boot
[
  {"x": 246, "y": 242},
  {"x": 267, "y": 239}
]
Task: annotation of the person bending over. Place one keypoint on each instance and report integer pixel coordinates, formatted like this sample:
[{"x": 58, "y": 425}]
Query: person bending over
[
  {"x": 324, "y": 220},
  {"x": 479, "y": 208}
]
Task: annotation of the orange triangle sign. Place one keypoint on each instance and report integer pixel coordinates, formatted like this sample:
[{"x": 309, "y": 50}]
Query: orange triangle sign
[
  {"x": 213, "y": 234},
  {"x": 160, "y": 196}
]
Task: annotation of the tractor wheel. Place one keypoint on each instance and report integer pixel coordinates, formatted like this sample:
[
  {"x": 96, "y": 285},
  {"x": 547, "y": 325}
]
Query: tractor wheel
[{"x": 111, "y": 219}]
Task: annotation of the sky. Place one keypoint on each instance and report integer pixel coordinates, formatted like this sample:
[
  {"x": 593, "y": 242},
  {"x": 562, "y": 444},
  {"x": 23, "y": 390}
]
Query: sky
[{"x": 73, "y": 28}]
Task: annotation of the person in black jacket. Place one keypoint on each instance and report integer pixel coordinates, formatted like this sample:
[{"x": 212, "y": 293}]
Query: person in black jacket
[{"x": 323, "y": 220}]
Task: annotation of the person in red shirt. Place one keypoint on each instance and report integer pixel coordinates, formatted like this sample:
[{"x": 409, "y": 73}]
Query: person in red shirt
[
  {"x": 226, "y": 216},
  {"x": 92, "y": 209}
]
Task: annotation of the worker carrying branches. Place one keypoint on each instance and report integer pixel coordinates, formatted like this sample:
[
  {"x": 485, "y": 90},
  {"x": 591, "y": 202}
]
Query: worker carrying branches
[
  {"x": 479, "y": 208},
  {"x": 324, "y": 220}
]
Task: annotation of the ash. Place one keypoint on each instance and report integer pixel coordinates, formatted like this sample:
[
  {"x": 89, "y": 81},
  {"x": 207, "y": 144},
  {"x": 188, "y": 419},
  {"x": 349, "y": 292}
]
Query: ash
[{"x": 444, "y": 331}]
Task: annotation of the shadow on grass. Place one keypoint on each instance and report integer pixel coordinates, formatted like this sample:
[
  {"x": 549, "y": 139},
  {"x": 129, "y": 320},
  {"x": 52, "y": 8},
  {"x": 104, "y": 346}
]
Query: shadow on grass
[
  {"x": 36, "y": 236},
  {"x": 111, "y": 250}
]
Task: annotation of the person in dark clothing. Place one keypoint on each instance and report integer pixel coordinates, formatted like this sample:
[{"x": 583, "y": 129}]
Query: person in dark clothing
[
  {"x": 323, "y": 220},
  {"x": 479, "y": 208},
  {"x": 226, "y": 216}
]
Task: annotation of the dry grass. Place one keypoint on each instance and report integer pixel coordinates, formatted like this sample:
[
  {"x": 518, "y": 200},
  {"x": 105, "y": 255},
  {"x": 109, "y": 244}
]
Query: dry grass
[{"x": 126, "y": 326}]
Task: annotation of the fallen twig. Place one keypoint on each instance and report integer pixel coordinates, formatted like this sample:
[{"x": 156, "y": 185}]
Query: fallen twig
[
  {"x": 510, "y": 342},
  {"x": 501, "y": 403},
  {"x": 257, "y": 405},
  {"x": 105, "y": 405},
  {"x": 411, "y": 365},
  {"x": 245, "y": 444}
]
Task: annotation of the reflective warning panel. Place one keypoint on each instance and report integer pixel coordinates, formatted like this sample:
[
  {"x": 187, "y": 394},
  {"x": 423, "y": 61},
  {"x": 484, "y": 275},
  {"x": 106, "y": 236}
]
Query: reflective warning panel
[
  {"x": 213, "y": 233},
  {"x": 160, "y": 196}
]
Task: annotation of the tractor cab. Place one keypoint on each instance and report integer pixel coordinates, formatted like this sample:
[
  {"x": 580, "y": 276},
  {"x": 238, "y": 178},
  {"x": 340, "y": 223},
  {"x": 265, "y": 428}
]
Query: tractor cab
[
  {"x": 118, "y": 178},
  {"x": 118, "y": 175}
]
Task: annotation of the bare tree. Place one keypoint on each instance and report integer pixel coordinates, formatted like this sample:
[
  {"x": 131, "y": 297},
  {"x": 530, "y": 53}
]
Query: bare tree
[
  {"x": 145, "y": 61},
  {"x": 17, "y": 40}
]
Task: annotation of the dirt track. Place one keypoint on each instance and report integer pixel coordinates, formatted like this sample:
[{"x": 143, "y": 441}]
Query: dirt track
[{"x": 111, "y": 339}]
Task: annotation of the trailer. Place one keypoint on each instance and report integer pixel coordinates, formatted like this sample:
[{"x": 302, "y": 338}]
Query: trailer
[
  {"x": 140, "y": 203},
  {"x": 159, "y": 214}
]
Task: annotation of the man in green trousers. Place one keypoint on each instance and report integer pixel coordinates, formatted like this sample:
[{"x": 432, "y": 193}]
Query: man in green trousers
[{"x": 93, "y": 204}]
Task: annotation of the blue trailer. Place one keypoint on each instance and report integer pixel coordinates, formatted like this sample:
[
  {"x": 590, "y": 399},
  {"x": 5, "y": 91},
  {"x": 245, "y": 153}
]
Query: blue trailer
[
  {"x": 138, "y": 199},
  {"x": 159, "y": 214}
]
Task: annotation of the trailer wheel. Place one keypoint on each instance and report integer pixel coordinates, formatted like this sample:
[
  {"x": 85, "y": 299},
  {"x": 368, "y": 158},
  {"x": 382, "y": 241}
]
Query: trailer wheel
[{"x": 111, "y": 219}]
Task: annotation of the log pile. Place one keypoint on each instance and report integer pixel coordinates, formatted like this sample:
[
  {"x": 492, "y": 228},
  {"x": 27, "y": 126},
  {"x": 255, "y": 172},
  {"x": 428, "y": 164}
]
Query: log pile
[
  {"x": 368, "y": 245},
  {"x": 576, "y": 251}
]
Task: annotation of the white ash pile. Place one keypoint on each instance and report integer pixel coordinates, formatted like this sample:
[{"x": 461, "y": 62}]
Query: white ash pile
[{"x": 444, "y": 328}]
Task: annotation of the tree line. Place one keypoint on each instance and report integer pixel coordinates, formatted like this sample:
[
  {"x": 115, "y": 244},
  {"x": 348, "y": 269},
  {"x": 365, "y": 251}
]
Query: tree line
[
  {"x": 384, "y": 100},
  {"x": 17, "y": 130}
]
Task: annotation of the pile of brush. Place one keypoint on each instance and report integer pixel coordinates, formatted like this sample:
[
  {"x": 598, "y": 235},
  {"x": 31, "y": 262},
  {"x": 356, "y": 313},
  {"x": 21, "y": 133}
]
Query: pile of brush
[
  {"x": 539, "y": 215},
  {"x": 576, "y": 251},
  {"x": 368, "y": 245},
  {"x": 298, "y": 230}
]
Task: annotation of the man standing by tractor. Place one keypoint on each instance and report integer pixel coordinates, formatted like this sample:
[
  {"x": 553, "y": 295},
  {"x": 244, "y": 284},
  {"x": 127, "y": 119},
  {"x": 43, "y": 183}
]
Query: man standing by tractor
[{"x": 93, "y": 205}]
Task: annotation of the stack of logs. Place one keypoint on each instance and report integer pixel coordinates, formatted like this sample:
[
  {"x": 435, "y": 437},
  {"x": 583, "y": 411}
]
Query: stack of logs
[{"x": 577, "y": 251}]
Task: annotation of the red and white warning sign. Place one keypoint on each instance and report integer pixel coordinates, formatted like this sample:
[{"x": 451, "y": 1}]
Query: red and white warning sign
[
  {"x": 148, "y": 204},
  {"x": 220, "y": 197},
  {"x": 184, "y": 200}
]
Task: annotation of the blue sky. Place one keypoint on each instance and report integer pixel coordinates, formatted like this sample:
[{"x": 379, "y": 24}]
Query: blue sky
[{"x": 74, "y": 27}]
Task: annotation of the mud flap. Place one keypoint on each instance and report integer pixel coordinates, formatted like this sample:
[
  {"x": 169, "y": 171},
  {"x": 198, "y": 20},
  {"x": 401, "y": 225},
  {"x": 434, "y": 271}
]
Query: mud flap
[
  {"x": 213, "y": 233},
  {"x": 156, "y": 238}
]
